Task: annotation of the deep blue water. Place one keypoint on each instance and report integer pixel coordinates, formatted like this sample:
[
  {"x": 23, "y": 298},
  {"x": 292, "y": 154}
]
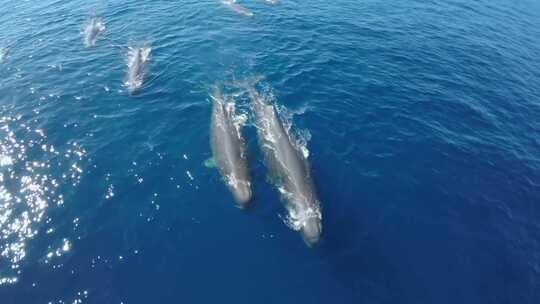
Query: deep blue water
[{"x": 423, "y": 127}]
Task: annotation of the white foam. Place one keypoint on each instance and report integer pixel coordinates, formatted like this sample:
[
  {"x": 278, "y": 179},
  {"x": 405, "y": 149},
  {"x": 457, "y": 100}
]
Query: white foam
[{"x": 297, "y": 219}]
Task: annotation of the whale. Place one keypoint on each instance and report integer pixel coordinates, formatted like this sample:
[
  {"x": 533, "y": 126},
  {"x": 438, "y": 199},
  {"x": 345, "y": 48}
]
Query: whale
[
  {"x": 237, "y": 8},
  {"x": 272, "y": 2},
  {"x": 3, "y": 53},
  {"x": 289, "y": 170},
  {"x": 229, "y": 150},
  {"x": 137, "y": 61},
  {"x": 91, "y": 31}
]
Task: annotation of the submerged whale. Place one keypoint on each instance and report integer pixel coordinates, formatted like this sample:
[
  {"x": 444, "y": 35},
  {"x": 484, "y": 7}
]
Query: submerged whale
[
  {"x": 92, "y": 30},
  {"x": 3, "y": 53},
  {"x": 239, "y": 9},
  {"x": 229, "y": 149},
  {"x": 137, "y": 61},
  {"x": 289, "y": 170}
]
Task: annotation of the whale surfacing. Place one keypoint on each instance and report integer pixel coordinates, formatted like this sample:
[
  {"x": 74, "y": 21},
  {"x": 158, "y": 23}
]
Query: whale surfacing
[
  {"x": 237, "y": 8},
  {"x": 92, "y": 29},
  {"x": 137, "y": 61},
  {"x": 3, "y": 53},
  {"x": 289, "y": 169},
  {"x": 229, "y": 149}
]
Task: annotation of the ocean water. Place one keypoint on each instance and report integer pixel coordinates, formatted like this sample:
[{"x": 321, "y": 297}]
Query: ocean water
[{"x": 421, "y": 120}]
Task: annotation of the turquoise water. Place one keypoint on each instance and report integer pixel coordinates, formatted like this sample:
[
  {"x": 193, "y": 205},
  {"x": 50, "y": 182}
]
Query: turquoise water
[{"x": 421, "y": 120}]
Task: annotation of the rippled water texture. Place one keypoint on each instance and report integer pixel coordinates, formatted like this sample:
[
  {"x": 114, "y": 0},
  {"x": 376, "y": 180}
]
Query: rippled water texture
[{"x": 420, "y": 121}]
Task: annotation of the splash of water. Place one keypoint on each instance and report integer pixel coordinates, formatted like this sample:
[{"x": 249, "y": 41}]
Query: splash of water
[
  {"x": 137, "y": 63},
  {"x": 297, "y": 218},
  {"x": 93, "y": 27}
]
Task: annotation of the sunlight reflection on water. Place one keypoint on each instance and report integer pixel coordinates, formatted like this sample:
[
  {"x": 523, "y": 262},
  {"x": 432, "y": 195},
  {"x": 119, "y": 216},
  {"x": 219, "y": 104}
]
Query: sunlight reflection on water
[{"x": 29, "y": 186}]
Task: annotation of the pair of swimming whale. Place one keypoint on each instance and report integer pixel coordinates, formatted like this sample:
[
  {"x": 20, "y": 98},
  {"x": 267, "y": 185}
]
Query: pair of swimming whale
[{"x": 286, "y": 164}]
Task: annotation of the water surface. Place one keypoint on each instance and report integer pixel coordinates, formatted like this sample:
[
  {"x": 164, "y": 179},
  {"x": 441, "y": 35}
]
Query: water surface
[{"x": 422, "y": 122}]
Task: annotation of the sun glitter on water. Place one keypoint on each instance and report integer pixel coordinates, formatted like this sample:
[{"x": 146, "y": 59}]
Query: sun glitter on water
[{"x": 29, "y": 186}]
